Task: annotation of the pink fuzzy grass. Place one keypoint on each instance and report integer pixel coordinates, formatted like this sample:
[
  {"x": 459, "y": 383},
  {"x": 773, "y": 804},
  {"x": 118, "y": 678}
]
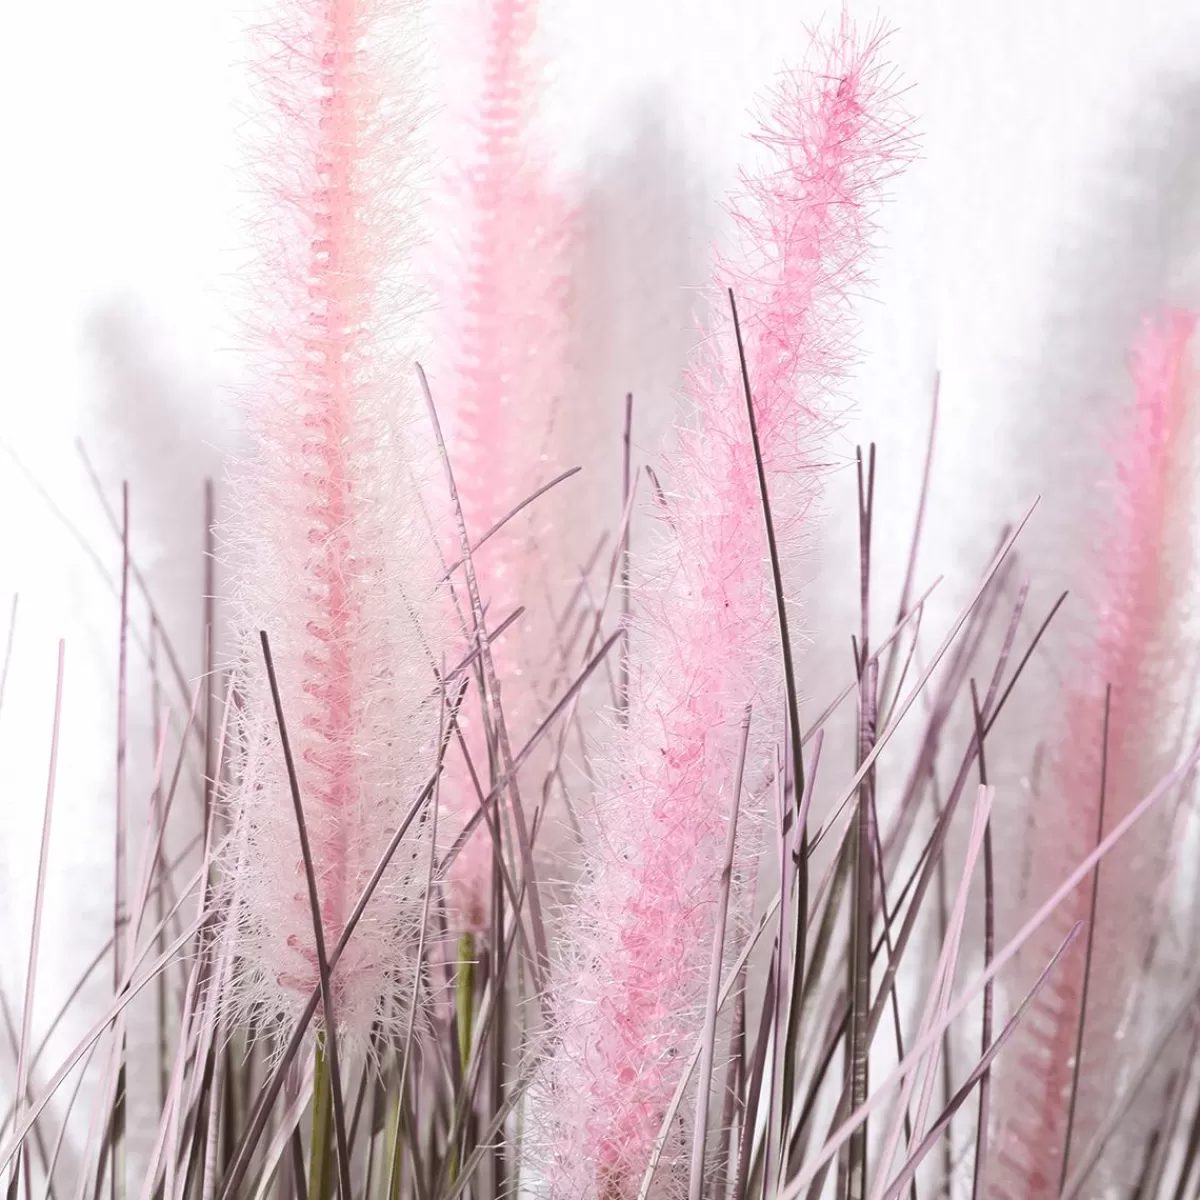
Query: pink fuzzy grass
[
  {"x": 1132, "y": 654},
  {"x": 631, "y": 984},
  {"x": 331, "y": 550},
  {"x": 503, "y": 347}
]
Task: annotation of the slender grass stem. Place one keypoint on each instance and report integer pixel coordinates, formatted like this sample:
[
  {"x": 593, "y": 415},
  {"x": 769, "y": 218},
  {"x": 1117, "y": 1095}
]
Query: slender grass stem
[{"x": 322, "y": 1127}]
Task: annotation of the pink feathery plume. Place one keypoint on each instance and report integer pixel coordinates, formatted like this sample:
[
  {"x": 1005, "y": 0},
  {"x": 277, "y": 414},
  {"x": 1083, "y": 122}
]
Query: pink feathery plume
[
  {"x": 1131, "y": 654},
  {"x": 504, "y": 344},
  {"x": 331, "y": 551},
  {"x": 629, "y": 991}
]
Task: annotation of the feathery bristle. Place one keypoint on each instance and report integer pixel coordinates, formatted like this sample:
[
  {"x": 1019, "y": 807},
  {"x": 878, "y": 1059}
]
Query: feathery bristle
[
  {"x": 331, "y": 550},
  {"x": 631, "y": 985},
  {"x": 504, "y": 343},
  {"x": 1131, "y": 654}
]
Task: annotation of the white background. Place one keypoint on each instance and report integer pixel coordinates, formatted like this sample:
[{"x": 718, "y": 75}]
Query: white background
[{"x": 1057, "y": 198}]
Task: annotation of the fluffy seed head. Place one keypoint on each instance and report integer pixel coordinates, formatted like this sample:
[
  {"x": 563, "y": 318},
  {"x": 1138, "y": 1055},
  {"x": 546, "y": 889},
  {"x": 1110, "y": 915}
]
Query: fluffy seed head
[
  {"x": 502, "y": 372},
  {"x": 631, "y": 983},
  {"x": 1136, "y": 592},
  {"x": 331, "y": 550}
]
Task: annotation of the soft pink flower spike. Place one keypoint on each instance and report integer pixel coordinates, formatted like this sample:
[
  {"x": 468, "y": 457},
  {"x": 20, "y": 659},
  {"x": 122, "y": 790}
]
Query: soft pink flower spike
[
  {"x": 630, "y": 989},
  {"x": 504, "y": 343},
  {"x": 1132, "y": 652},
  {"x": 330, "y": 551}
]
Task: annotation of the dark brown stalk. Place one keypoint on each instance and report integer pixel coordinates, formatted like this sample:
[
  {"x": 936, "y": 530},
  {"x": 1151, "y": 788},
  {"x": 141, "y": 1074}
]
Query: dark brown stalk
[
  {"x": 754, "y": 1090},
  {"x": 709, "y": 1037},
  {"x": 1190, "y": 1156},
  {"x": 178, "y": 674},
  {"x": 117, "y": 1179},
  {"x": 626, "y": 495},
  {"x": 1183, "y": 1012},
  {"x": 918, "y": 526},
  {"x": 942, "y": 826},
  {"x": 1177, "y": 1089},
  {"x": 799, "y": 932},
  {"x": 496, "y": 794},
  {"x": 467, "y": 1089},
  {"x": 1091, "y": 939},
  {"x": 943, "y": 927},
  {"x": 981, "y": 1069},
  {"x": 937, "y": 843},
  {"x": 989, "y": 949},
  {"x": 945, "y": 699},
  {"x": 492, "y": 530},
  {"x": 540, "y": 962},
  {"x": 156, "y": 800},
  {"x": 863, "y": 842},
  {"x": 323, "y": 965},
  {"x": 209, "y": 644},
  {"x": 734, "y": 1106},
  {"x": 31, "y": 966}
]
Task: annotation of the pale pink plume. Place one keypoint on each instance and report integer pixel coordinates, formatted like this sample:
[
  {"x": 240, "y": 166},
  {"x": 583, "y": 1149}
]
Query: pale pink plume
[
  {"x": 331, "y": 551},
  {"x": 630, "y": 987},
  {"x": 1131, "y": 652},
  {"x": 500, "y": 364}
]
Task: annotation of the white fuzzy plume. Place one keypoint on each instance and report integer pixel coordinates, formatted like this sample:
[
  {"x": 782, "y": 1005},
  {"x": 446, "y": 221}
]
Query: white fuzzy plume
[{"x": 332, "y": 550}]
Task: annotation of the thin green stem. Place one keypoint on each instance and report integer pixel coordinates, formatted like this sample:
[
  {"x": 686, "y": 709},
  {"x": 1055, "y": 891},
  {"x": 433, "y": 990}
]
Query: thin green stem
[
  {"x": 464, "y": 997},
  {"x": 394, "y": 1150},
  {"x": 319, "y": 1156}
]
